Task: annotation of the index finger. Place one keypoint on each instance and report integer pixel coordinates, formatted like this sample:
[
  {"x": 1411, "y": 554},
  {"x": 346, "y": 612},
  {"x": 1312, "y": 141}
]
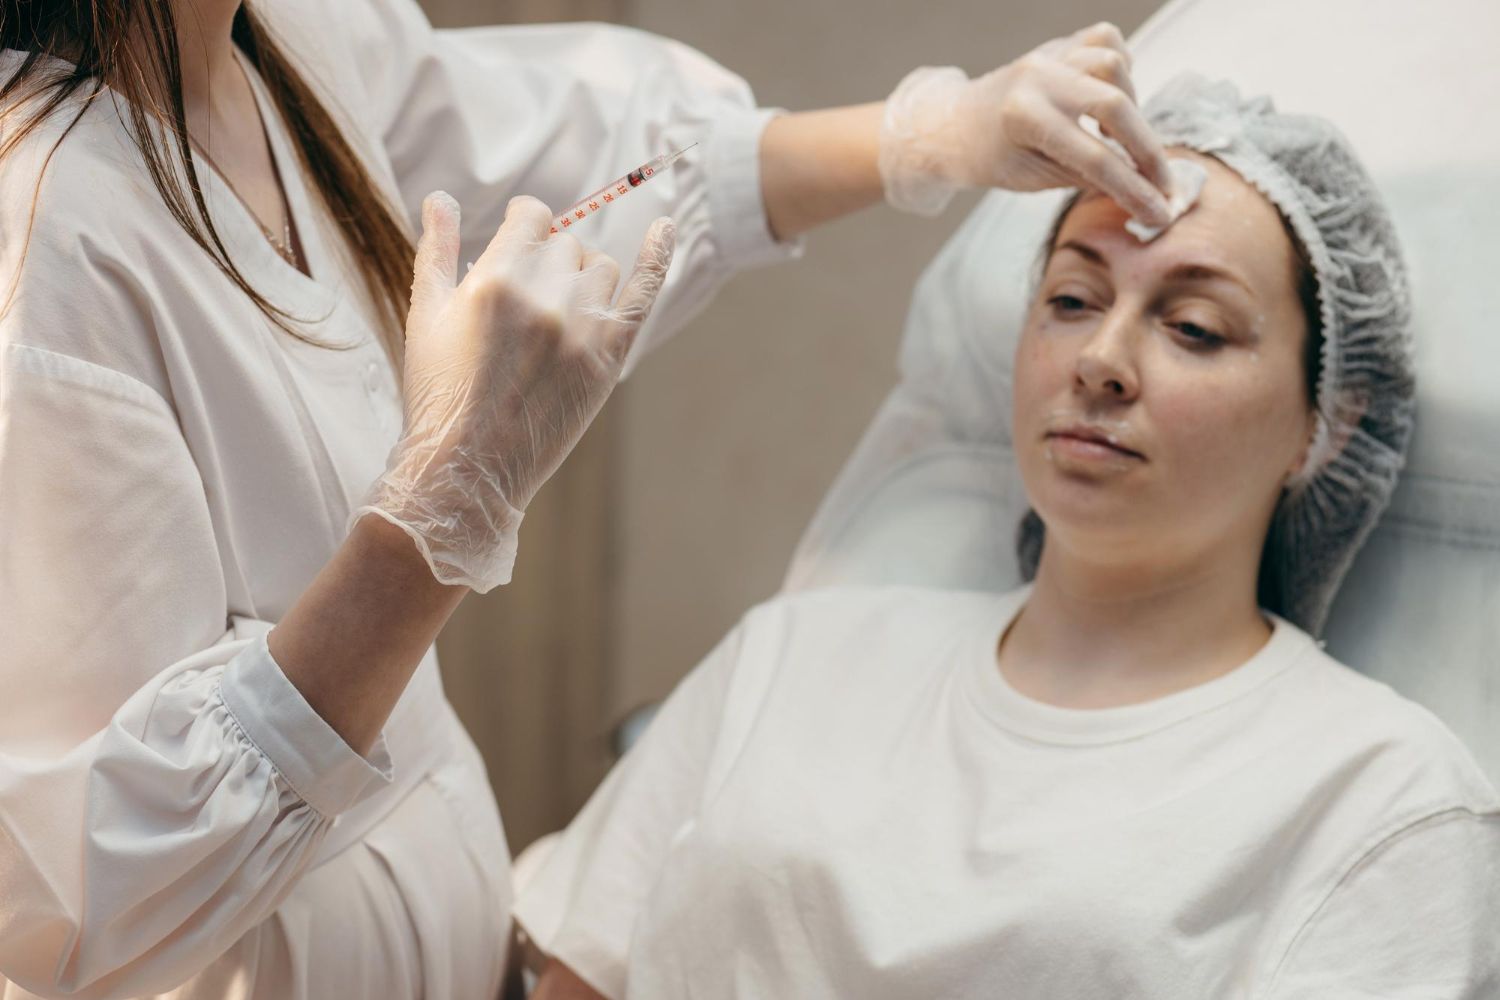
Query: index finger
[
  {"x": 1122, "y": 120},
  {"x": 1093, "y": 164},
  {"x": 527, "y": 222},
  {"x": 1105, "y": 35},
  {"x": 649, "y": 273}
]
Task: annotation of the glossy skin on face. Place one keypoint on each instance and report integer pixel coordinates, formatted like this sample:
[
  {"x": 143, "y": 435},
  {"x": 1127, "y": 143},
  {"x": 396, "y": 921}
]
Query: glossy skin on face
[{"x": 1160, "y": 400}]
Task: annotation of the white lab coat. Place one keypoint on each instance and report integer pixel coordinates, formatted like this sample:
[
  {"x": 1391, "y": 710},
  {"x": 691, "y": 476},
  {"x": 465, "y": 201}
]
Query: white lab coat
[{"x": 174, "y": 470}]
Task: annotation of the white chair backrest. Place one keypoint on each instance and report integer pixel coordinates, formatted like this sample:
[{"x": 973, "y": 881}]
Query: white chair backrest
[{"x": 931, "y": 496}]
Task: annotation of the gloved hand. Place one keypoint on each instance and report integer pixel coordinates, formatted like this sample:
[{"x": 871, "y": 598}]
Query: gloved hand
[
  {"x": 1017, "y": 128},
  {"x": 503, "y": 372}
]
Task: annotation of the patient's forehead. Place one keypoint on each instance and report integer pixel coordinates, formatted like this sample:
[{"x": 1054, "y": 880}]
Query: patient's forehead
[{"x": 1232, "y": 225}]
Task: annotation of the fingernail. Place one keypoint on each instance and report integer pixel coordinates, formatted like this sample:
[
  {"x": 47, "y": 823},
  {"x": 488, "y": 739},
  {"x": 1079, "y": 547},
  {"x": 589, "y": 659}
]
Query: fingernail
[
  {"x": 437, "y": 201},
  {"x": 666, "y": 231}
]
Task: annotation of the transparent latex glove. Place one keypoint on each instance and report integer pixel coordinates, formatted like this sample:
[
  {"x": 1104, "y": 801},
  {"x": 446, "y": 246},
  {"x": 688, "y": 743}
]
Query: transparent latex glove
[
  {"x": 1018, "y": 127},
  {"x": 504, "y": 370}
]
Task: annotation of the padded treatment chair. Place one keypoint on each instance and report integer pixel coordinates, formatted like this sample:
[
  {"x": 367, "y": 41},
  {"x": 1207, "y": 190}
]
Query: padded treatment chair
[{"x": 931, "y": 495}]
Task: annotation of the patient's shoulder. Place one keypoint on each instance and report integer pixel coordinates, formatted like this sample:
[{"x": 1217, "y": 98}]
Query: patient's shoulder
[
  {"x": 869, "y": 650},
  {"x": 859, "y": 603},
  {"x": 1382, "y": 732},
  {"x": 895, "y": 621}
]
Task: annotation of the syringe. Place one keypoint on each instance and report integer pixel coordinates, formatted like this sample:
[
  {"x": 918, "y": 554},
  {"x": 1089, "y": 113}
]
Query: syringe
[{"x": 615, "y": 190}]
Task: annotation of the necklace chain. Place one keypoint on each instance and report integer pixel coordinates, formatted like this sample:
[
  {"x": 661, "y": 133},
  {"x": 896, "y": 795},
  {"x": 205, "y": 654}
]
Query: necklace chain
[{"x": 283, "y": 246}]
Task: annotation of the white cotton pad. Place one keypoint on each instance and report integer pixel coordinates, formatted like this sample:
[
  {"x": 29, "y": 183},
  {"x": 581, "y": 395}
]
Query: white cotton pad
[{"x": 1188, "y": 177}]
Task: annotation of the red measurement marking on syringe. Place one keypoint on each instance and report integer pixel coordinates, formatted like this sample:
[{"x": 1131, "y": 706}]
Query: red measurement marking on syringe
[{"x": 634, "y": 179}]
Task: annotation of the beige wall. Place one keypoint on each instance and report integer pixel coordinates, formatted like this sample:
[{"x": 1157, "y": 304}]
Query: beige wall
[{"x": 685, "y": 501}]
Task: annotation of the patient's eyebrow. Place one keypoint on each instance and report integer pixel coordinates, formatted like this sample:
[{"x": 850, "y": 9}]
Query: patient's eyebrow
[
  {"x": 1083, "y": 250},
  {"x": 1182, "y": 272},
  {"x": 1205, "y": 272}
]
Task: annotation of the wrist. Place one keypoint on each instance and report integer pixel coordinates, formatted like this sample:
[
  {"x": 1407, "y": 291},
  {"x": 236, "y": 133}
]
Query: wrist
[
  {"x": 465, "y": 547},
  {"x": 392, "y": 553},
  {"x": 349, "y": 644},
  {"x": 918, "y": 139}
]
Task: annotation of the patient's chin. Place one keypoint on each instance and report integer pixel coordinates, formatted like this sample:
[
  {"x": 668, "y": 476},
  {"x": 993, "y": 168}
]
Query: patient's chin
[{"x": 1101, "y": 499}]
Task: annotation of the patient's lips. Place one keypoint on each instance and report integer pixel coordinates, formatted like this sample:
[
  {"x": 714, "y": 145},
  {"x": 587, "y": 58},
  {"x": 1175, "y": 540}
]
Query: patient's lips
[{"x": 1091, "y": 443}]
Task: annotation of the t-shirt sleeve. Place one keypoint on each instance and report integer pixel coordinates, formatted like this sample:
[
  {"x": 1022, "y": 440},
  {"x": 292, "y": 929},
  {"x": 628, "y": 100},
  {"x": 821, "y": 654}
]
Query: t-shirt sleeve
[
  {"x": 582, "y": 906},
  {"x": 1417, "y": 918}
]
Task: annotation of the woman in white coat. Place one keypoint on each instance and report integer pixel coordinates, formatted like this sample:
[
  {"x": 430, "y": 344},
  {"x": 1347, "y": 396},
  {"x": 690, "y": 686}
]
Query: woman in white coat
[{"x": 207, "y": 354}]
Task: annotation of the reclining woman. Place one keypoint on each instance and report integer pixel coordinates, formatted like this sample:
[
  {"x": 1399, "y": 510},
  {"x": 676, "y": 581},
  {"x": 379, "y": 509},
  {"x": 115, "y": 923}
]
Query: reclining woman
[{"x": 1139, "y": 775}]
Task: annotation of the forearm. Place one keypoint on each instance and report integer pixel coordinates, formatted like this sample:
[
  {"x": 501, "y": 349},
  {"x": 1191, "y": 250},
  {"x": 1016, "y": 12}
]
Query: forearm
[
  {"x": 816, "y": 166},
  {"x": 353, "y": 639},
  {"x": 1016, "y": 128}
]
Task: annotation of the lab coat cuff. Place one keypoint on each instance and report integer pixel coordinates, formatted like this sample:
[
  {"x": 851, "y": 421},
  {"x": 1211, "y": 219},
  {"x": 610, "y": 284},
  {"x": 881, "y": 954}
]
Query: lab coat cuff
[
  {"x": 736, "y": 205},
  {"x": 313, "y": 759}
]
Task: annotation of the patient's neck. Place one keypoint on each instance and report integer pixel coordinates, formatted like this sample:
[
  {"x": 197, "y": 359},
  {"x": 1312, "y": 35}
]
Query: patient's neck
[{"x": 1098, "y": 636}]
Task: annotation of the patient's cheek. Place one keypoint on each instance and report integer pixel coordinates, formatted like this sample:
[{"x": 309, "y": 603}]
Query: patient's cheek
[
  {"x": 1230, "y": 430},
  {"x": 1041, "y": 362},
  {"x": 1025, "y": 391}
]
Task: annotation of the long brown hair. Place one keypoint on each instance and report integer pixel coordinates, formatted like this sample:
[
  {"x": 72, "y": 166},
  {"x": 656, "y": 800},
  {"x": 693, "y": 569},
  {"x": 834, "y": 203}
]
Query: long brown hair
[{"x": 131, "y": 46}]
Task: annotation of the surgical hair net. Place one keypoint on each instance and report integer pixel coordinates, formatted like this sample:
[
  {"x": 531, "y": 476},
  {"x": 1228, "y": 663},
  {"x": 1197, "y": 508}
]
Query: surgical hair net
[{"x": 1366, "y": 380}]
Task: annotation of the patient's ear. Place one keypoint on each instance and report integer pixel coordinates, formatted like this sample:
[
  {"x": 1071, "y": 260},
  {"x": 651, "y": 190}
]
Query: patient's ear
[
  {"x": 1317, "y": 429},
  {"x": 1327, "y": 438}
]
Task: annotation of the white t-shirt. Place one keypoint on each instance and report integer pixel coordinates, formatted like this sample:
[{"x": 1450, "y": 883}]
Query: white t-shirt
[{"x": 846, "y": 799}]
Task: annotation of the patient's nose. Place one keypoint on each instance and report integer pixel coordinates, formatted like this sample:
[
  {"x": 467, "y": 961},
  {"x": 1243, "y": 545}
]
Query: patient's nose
[{"x": 1106, "y": 365}]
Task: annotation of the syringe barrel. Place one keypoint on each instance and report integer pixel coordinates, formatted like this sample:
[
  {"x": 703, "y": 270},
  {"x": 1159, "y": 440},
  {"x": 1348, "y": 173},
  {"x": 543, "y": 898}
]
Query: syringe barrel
[{"x": 613, "y": 191}]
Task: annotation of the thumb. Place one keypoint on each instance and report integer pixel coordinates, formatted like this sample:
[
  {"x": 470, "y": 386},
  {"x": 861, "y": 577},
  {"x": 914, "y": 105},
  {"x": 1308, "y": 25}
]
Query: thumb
[
  {"x": 645, "y": 281},
  {"x": 435, "y": 271}
]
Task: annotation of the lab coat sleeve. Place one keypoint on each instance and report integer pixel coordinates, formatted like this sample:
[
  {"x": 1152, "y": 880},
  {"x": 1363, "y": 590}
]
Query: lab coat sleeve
[
  {"x": 1416, "y": 918},
  {"x": 162, "y": 783},
  {"x": 581, "y": 907},
  {"x": 557, "y": 111}
]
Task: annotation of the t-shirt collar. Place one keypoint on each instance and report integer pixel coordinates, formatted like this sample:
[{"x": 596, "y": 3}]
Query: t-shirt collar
[{"x": 1043, "y": 723}]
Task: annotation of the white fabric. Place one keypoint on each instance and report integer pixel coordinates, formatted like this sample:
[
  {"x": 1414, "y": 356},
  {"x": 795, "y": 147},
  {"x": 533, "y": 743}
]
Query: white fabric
[
  {"x": 174, "y": 471},
  {"x": 932, "y": 496},
  {"x": 1188, "y": 178},
  {"x": 846, "y": 799}
]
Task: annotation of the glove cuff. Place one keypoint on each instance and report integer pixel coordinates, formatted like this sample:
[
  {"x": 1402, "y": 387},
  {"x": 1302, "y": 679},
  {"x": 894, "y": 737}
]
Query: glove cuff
[
  {"x": 916, "y": 140},
  {"x": 472, "y": 545}
]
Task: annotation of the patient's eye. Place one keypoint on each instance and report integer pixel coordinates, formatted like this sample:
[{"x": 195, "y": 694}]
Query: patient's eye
[
  {"x": 1067, "y": 304},
  {"x": 1198, "y": 338}
]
